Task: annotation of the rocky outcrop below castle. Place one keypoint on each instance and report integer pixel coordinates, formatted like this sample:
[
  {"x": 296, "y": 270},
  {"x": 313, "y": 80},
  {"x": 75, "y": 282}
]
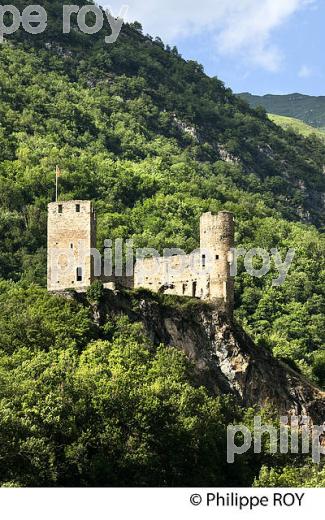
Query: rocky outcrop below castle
[{"x": 226, "y": 359}]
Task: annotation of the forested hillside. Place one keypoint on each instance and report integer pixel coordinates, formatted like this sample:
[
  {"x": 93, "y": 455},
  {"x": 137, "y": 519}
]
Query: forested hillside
[
  {"x": 310, "y": 109},
  {"x": 153, "y": 142}
]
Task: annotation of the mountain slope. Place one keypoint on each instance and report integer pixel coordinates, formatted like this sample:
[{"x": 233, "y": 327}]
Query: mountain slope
[
  {"x": 226, "y": 360},
  {"x": 298, "y": 126},
  {"x": 310, "y": 109},
  {"x": 161, "y": 97},
  {"x": 89, "y": 396},
  {"x": 99, "y": 391},
  {"x": 154, "y": 142}
]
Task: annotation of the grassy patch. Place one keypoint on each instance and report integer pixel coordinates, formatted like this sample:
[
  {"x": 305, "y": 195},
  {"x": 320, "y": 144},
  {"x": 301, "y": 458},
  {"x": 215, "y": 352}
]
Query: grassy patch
[{"x": 290, "y": 123}]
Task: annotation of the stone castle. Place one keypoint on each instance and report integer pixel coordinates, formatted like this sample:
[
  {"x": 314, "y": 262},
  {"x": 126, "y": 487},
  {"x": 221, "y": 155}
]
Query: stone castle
[{"x": 204, "y": 274}]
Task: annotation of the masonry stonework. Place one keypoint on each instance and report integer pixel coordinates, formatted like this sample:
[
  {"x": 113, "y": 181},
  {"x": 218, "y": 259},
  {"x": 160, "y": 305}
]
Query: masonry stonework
[
  {"x": 204, "y": 274},
  {"x": 71, "y": 236}
]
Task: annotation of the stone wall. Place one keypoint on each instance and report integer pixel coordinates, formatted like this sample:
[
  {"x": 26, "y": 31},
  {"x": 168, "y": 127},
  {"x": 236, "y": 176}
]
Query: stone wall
[{"x": 204, "y": 274}]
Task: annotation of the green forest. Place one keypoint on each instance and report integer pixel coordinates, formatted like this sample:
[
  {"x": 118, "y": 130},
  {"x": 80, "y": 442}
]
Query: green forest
[
  {"x": 153, "y": 142},
  {"x": 309, "y": 109}
]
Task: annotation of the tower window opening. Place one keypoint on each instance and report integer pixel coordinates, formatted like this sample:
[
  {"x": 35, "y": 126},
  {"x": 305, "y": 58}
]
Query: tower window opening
[
  {"x": 60, "y": 208},
  {"x": 78, "y": 208},
  {"x": 79, "y": 274},
  {"x": 203, "y": 261},
  {"x": 217, "y": 257},
  {"x": 194, "y": 287}
]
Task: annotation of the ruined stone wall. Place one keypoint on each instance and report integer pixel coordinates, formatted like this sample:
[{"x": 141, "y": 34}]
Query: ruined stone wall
[
  {"x": 71, "y": 235},
  {"x": 205, "y": 274},
  {"x": 118, "y": 282},
  {"x": 181, "y": 275}
]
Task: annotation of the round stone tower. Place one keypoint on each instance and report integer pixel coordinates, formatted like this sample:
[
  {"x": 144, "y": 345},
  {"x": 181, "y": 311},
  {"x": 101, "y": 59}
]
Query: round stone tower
[{"x": 217, "y": 239}]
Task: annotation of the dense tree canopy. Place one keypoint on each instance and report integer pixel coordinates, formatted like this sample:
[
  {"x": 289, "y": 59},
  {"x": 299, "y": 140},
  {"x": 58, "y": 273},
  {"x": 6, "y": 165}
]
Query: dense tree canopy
[{"x": 153, "y": 142}]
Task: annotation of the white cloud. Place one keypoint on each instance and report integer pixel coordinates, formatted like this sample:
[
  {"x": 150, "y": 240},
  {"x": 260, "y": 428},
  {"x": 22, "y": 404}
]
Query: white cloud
[
  {"x": 239, "y": 27},
  {"x": 305, "y": 72}
]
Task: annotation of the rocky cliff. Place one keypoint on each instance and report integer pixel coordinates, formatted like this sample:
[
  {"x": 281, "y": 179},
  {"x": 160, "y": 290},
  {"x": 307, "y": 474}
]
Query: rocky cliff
[{"x": 225, "y": 357}]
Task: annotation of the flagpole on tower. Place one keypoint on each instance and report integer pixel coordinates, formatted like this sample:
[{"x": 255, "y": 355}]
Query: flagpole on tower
[{"x": 57, "y": 175}]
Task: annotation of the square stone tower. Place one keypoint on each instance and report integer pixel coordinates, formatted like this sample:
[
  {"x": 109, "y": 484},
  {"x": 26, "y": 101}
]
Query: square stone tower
[{"x": 71, "y": 237}]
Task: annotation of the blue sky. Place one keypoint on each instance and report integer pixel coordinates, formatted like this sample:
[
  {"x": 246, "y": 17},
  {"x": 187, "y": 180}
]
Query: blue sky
[{"x": 257, "y": 46}]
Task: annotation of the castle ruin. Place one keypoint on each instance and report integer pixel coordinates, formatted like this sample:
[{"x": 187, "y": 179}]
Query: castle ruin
[{"x": 204, "y": 274}]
